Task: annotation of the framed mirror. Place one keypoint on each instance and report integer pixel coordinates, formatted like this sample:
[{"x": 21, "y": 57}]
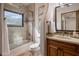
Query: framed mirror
[{"x": 67, "y": 17}]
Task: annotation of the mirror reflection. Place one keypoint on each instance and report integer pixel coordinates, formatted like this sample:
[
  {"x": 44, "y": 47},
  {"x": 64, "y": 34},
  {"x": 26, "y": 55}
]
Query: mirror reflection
[{"x": 69, "y": 21}]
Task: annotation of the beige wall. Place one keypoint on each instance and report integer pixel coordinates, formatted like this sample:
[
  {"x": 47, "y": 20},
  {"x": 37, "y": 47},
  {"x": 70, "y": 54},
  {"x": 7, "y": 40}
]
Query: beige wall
[
  {"x": 0, "y": 30},
  {"x": 51, "y": 17},
  {"x": 31, "y": 16}
]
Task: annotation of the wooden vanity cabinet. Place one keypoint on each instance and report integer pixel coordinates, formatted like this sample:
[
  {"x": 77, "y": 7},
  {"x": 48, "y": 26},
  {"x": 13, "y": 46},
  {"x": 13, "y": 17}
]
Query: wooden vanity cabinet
[{"x": 58, "y": 48}]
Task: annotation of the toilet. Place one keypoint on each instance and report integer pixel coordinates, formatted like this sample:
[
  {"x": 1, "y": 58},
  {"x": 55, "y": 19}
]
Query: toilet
[{"x": 35, "y": 47}]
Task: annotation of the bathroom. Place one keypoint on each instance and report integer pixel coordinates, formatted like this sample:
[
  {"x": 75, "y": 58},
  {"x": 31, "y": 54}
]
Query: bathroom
[{"x": 43, "y": 29}]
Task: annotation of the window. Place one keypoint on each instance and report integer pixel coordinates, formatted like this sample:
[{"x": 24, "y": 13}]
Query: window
[{"x": 13, "y": 19}]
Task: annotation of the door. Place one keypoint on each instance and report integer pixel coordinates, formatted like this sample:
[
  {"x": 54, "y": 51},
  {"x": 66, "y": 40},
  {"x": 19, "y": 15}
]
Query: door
[{"x": 52, "y": 51}]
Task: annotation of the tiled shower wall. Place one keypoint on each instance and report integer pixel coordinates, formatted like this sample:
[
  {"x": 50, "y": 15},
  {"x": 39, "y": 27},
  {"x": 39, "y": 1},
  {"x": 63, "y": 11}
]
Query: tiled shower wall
[
  {"x": 15, "y": 34},
  {"x": 16, "y": 37}
]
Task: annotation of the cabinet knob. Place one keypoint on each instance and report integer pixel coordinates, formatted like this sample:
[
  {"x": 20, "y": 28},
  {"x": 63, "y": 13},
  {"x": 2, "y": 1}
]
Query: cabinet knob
[{"x": 60, "y": 48}]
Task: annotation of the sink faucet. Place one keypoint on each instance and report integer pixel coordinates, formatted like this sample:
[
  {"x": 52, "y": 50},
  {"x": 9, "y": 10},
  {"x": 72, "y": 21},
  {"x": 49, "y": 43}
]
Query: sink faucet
[{"x": 63, "y": 33}]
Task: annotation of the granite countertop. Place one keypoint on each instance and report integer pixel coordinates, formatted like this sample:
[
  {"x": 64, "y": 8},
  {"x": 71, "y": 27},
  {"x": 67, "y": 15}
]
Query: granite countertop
[{"x": 63, "y": 39}]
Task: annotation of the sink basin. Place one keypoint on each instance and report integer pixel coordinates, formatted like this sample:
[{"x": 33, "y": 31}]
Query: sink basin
[{"x": 65, "y": 37}]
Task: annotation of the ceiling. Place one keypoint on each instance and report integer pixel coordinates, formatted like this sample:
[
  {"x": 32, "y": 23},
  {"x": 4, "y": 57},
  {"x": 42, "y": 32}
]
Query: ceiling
[
  {"x": 20, "y": 4},
  {"x": 27, "y": 4},
  {"x": 23, "y": 4}
]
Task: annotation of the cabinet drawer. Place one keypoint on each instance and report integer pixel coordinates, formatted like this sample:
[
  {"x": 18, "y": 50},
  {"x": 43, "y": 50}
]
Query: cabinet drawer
[
  {"x": 68, "y": 53},
  {"x": 77, "y": 49},
  {"x": 63, "y": 45},
  {"x": 68, "y": 47},
  {"x": 54, "y": 43}
]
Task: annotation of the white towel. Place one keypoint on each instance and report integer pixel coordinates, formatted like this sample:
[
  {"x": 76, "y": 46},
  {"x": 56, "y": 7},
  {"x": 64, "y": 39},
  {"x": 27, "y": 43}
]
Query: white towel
[
  {"x": 52, "y": 27},
  {"x": 6, "y": 50}
]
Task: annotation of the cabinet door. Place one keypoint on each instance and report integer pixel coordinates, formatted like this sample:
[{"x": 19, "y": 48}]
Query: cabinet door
[
  {"x": 60, "y": 52},
  {"x": 52, "y": 51},
  {"x": 68, "y": 53}
]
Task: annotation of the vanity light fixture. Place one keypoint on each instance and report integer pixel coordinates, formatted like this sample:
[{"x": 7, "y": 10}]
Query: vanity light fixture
[
  {"x": 64, "y": 4},
  {"x": 68, "y": 5}
]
